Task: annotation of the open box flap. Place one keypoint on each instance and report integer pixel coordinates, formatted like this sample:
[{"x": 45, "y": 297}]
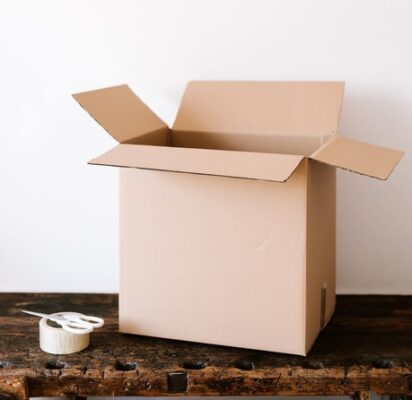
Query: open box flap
[
  {"x": 360, "y": 157},
  {"x": 263, "y": 166},
  {"x": 120, "y": 112},
  {"x": 264, "y": 108}
]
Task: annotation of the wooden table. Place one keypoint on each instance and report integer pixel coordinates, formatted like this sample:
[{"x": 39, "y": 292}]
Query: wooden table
[{"x": 366, "y": 347}]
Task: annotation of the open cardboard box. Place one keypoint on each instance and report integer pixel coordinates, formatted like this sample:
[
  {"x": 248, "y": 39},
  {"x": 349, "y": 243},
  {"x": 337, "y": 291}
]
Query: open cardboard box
[{"x": 208, "y": 257}]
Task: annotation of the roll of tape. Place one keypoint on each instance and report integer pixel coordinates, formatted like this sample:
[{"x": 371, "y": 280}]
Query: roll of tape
[{"x": 55, "y": 340}]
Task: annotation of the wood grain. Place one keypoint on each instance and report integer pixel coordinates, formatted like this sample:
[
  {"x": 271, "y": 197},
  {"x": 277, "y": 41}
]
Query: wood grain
[{"x": 367, "y": 347}]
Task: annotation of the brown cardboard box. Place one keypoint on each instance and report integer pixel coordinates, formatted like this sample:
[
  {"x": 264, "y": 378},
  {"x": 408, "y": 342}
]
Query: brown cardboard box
[{"x": 227, "y": 220}]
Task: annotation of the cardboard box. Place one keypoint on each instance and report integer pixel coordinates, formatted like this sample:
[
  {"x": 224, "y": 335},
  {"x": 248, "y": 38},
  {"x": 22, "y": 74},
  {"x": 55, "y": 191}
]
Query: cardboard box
[{"x": 227, "y": 219}]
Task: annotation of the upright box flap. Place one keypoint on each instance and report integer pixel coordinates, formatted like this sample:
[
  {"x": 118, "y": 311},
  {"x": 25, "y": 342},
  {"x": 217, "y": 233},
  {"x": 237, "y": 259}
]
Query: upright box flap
[
  {"x": 360, "y": 157},
  {"x": 264, "y": 108},
  {"x": 264, "y": 166},
  {"x": 120, "y": 112}
]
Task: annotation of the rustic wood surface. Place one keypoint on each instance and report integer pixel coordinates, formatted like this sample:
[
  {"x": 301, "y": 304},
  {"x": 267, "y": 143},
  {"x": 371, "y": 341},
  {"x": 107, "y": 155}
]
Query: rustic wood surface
[{"x": 366, "y": 347}]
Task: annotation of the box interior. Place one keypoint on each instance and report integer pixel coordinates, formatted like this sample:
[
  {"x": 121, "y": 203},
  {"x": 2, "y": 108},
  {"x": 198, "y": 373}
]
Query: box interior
[
  {"x": 246, "y": 142},
  {"x": 282, "y": 144},
  {"x": 269, "y": 117}
]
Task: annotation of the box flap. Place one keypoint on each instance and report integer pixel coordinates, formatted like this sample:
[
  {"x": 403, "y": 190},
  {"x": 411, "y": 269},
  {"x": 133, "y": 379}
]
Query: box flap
[
  {"x": 120, "y": 112},
  {"x": 264, "y": 166},
  {"x": 264, "y": 108},
  {"x": 360, "y": 157}
]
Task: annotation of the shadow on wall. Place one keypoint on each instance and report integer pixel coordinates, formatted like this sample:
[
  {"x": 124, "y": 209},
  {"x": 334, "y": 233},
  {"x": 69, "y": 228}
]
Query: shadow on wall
[{"x": 374, "y": 227}]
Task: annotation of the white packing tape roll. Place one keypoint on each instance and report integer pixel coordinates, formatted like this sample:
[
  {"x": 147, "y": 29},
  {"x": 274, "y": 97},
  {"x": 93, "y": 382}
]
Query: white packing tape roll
[{"x": 56, "y": 340}]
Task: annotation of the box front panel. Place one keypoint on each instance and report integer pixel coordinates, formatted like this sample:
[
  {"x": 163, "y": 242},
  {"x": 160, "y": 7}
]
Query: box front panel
[
  {"x": 212, "y": 259},
  {"x": 320, "y": 272}
]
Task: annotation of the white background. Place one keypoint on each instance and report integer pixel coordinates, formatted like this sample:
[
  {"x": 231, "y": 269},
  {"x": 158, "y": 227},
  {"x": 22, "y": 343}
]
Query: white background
[{"x": 58, "y": 216}]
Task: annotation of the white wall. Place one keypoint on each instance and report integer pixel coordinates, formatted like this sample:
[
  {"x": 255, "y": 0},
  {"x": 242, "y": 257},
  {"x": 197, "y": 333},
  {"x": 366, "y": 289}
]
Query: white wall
[{"x": 58, "y": 216}]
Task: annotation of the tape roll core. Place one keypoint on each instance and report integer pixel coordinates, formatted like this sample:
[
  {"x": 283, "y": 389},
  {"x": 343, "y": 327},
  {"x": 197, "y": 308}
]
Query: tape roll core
[{"x": 55, "y": 340}]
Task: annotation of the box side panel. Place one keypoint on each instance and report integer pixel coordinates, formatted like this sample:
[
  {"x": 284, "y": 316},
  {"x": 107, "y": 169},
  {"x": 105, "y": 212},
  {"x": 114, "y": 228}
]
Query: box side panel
[
  {"x": 320, "y": 261},
  {"x": 214, "y": 260},
  {"x": 160, "y": 137}
]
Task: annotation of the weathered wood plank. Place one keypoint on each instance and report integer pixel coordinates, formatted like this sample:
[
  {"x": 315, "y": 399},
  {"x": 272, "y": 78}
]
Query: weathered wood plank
[
  {"x": 367, "y": 347},
  {"x": 13, "y": 388},
  {"x": 361, "y": 396}
]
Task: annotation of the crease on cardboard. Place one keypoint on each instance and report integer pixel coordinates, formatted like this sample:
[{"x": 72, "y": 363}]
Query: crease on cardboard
[
  {"x": 263, "y": 243},
  {"x": 92, "y": 162}
]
